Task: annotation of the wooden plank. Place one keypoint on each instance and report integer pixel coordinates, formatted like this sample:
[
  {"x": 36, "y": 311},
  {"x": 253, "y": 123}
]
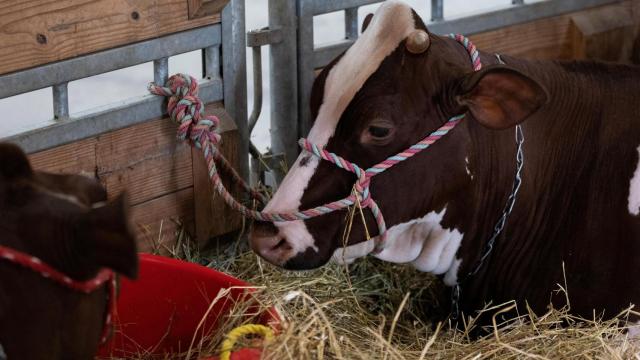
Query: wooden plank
[
  {"x": 606, "y": 34},
  {"x": 152, "y": 178},
  {"x": 200, "y": 8},
  {"x": 543, "y": 39},
  {"x": 550, "y": 38},
  {"x": 212, "y": 216},
  {"x": 36, "y": 32},
  {"x": 156, "y": 221},
  {"x": 132, "y": 145},
  {"x": 74, "y": 158}
]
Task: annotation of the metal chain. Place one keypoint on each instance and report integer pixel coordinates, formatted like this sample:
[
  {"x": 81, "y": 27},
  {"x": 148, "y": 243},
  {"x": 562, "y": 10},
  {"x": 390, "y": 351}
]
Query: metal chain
[{"x": 498, "y": 228}]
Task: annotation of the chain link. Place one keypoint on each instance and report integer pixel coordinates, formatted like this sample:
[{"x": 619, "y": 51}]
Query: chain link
[{"x": 499, "y": 227}]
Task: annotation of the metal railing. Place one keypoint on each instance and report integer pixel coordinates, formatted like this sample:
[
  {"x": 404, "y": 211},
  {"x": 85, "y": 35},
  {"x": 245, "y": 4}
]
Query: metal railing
[{"x": 223, "y": 80}]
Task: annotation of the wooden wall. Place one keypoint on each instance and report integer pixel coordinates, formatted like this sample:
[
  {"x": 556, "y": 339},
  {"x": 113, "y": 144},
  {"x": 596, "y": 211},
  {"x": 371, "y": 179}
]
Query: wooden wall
[
  {"x": 36, "y": 32},
  {"x": 605, "y": 33},
  {"x": 166, "y": 181}
]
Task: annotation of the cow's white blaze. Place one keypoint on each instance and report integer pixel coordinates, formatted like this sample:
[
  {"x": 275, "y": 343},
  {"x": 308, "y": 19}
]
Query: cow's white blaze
[
  {"x": 634, "y": 191},
  {"x": 422, "y": 242},
  {"x": 391, "y": 24}
]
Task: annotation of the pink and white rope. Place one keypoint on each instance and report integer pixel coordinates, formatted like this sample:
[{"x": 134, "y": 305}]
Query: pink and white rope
[{"x": 185, "y": 108}]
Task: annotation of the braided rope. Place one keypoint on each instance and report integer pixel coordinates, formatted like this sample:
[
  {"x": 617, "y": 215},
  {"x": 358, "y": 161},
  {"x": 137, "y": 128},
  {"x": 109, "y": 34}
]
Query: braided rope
[{"x": 186, "y": 109}]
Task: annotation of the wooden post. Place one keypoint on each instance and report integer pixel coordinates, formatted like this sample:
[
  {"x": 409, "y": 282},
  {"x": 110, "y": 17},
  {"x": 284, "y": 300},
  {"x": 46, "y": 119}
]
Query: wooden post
[{"x": 604, "y": 34}]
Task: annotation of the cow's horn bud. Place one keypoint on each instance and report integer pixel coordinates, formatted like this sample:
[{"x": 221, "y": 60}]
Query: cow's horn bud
[{"x": 418, "y": 42}]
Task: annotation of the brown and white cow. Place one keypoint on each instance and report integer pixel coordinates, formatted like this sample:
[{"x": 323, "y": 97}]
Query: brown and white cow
[
  {"x": 578, "y": 205},
  {"x": 64, "y": 221}
]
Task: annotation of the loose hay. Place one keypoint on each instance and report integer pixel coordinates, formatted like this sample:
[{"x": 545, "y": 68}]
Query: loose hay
[{"x": 378, "y": 310}]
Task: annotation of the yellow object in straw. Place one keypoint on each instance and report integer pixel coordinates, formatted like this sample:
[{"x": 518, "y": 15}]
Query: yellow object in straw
[{"x": 233, "y": 336}]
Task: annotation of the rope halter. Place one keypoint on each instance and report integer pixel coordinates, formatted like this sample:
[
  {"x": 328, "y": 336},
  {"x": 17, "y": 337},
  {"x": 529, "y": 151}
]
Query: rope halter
[
  {"x": 104, "y": 276},
  {"x": 186, "y": 109}
]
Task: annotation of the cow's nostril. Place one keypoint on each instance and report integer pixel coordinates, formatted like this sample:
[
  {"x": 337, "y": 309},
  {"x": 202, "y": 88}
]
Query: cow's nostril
[
  {"x": 264, "y": 228},
  {"x": 282, "y": 245}
]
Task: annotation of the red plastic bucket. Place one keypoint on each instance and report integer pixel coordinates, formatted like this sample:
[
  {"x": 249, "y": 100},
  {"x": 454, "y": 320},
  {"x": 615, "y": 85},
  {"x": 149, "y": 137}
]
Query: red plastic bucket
[{"x": 159, "y": 313}]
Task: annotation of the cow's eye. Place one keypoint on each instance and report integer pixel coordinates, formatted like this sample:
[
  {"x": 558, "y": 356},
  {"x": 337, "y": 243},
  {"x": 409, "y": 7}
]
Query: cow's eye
[{"x": 379, "y": 131}]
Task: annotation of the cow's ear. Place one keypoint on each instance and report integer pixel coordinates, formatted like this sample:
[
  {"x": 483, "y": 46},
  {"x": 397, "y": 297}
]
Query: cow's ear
[
  {"x": 13, "y": 162},
  {"x": 366, "y": 22},
  {"x": 111, "y": 241},
  {"x": 500, "y": 97}
]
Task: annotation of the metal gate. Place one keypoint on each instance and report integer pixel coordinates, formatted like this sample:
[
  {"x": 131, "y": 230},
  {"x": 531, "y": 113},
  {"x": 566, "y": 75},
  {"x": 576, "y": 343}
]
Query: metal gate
[{"x": 223, "y": 54}]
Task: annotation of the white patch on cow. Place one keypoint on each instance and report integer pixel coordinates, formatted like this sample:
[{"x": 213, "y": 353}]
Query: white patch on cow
[
  {"x": 98, "y": 204},
  {"x": 634, "y": 191},
  {"x": 422, "y": 242},
  {"x": 391, "y": 24},
  {"x": 451, "y": 277},
  {"x": 347, "y": 255}
]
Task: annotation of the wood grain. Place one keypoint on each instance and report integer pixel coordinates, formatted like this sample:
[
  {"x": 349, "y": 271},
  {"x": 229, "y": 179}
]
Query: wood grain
[
  {"x": 75, "y": 158},
  {"x": 550, "y": 38},
  {"x": 212, "y": 216},
  {"x": 157, "y": 176},
  {"x": 36, "y": 32},
  {"x": 607, "y": 34},
  {"x": 156, "y": 221},
  {"x": 200, "y": 8}
]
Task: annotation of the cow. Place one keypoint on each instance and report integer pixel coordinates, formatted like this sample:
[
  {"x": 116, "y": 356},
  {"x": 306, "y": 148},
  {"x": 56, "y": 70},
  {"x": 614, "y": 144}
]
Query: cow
[
  {"x": 65, "y": 222},
  {"x": 575, "y": 216}
]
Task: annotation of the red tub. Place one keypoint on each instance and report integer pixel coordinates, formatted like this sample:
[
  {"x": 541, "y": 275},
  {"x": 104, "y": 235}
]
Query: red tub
[{"x": 160, "y": 312}]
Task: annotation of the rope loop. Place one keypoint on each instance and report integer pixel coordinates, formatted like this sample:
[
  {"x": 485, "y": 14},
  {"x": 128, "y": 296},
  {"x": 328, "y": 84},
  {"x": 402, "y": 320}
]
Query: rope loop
[{"x": 186, "y": 109}]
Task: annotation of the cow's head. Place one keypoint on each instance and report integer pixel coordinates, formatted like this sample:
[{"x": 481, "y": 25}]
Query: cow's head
[
  {"x": 394, "y": 86},
  {"x": 65, "y": 221}
]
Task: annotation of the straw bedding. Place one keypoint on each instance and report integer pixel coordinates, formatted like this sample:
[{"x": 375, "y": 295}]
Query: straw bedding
[{"x": 377, "y": 310}]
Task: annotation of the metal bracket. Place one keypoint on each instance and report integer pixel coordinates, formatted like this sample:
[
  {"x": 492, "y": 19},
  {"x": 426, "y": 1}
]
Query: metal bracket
[
  {"x": 261, "y": 163},
  {"x": 264, "y": 36}
]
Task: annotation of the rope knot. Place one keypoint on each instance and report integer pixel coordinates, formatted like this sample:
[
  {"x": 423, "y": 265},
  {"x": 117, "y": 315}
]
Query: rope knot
[{"x": 187, "y": 110}]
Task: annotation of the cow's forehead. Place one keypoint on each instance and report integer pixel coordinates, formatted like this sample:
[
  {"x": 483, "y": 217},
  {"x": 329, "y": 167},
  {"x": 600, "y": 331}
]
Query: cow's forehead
[{"x": 390, "y": 25}]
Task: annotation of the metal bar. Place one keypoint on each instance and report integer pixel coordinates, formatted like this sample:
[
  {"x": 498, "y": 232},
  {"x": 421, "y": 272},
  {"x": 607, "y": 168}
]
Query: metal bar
[
  {"x": 306, "y": 64},
  {"x": 328, "y": 6},
  {"x": 284, "y": 84},
  {"x": 108, "y": 60},
  {"x": 161, "y": 71},
  {"x": 351, "y": 23},
  {"x": 480, "y": 22},
  {"x": 211, "y": 62},
  {"x": 437, "y": 11},
  {"x": 324, "y": 55},
  {"x": 257, "y": 87},
  {"x": 107, "y": 118},
  {"x": 234, "y": 73},
  {"x": 60, "y": 101}
]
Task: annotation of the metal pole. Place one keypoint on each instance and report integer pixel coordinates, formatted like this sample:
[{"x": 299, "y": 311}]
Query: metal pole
[
  {"x": 305, "y": 63},
  {"x": 234, "y": 73},
  {"x": 284, "y": 84},
  {"x": 161, "y": 71},
  {"x": 437, "y": 13},
  {"x": 211, "y": 62},
  {"x": 351, "y": 23},
  {"x": 60, "y": 101}
]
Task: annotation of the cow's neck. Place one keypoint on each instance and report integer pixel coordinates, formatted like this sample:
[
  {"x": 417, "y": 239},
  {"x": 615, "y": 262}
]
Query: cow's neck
[{"x": 561, "y": 141}]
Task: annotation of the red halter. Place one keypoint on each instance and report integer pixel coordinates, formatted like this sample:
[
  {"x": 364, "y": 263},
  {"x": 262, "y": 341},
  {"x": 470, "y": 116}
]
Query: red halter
[{"x": 88, "y": 286}]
